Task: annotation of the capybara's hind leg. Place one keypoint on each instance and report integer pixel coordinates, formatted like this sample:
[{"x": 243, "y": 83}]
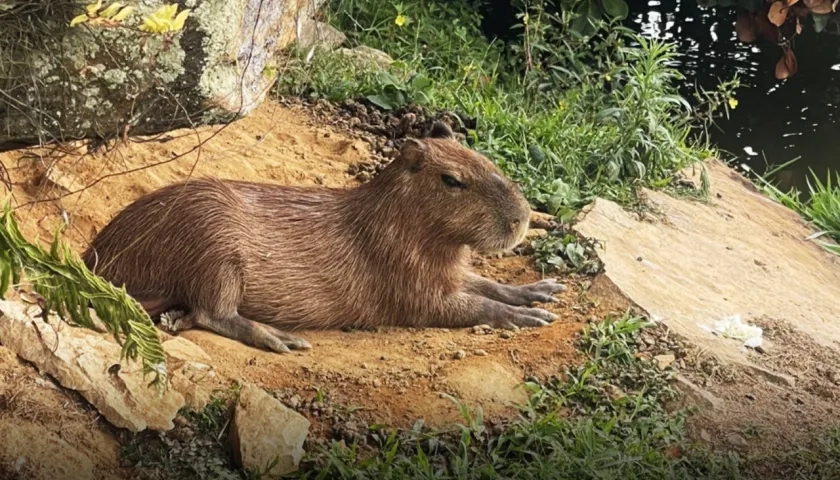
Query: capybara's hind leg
[{"x": 237, "y": 327}]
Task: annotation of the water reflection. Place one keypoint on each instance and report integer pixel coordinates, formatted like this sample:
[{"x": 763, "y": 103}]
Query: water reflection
[{"x": 776, "y": 121}]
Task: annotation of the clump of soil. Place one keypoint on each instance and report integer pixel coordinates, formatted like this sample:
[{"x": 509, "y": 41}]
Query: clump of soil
[
  {"x": 384, "y": 131},
  {"x": 816, "y": 367}
]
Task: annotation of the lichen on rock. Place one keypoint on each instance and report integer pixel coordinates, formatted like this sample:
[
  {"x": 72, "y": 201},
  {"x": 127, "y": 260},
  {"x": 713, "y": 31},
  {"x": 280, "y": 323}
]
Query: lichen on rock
[{"x": 105, "y": 80}]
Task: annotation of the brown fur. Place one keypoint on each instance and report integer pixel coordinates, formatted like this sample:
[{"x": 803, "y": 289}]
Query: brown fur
[{"x": 252, "y": 260}]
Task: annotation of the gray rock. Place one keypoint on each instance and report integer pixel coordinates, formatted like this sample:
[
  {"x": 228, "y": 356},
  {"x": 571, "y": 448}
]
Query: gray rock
[
  {"x": 369, "y": 56},
  {"x": 215, "y": 70},
  {"x": 312, "y": 33},
  {"x": 702, "y": 397}
]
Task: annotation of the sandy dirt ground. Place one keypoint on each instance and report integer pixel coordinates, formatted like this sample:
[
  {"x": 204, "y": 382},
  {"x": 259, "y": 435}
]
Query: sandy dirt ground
[
  {"x": 688, "y": 263},
  {"x": 393, "y": 376}
]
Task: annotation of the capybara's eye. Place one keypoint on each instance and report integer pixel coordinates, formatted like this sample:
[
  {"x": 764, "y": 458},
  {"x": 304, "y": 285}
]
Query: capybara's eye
[{"x": 451, "y": 181}]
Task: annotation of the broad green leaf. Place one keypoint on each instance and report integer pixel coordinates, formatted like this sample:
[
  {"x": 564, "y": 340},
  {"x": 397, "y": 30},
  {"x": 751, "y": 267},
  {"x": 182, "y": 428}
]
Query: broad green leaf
[{"x": 616, "y": 8}]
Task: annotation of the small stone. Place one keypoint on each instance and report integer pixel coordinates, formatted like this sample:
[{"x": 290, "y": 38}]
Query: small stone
[
  {"x": 355, "y": 121},
  {"x": 705, "y": 436},
  {"x": 180, "y": 421},
  {"x": 506, "y": 335},
  {"x": 459, "y": 355},
  {"x": 750, "y": 396},
  {"x": 649, "y": 340},
  {"x": 377, "y": 382},
  {"x": 700, "y": 396},
  {"x": 664, "y": 361},
  {"x": 294, "y": 402},
  {"x": 737, "y": 440},
  {"x": 365, "y": 366},
  {"x": 480, "y": 353},
  {"x": 535, "y": 232}
]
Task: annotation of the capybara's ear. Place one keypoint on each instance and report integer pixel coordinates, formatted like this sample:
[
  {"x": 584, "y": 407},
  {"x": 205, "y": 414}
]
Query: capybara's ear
[
  {"x": 440, "y": 130},
  {"x": 413, "y": 153}
]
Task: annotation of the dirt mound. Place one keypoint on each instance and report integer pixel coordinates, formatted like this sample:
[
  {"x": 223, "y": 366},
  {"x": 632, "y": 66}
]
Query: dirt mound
[{"x": 393, "y": 376}]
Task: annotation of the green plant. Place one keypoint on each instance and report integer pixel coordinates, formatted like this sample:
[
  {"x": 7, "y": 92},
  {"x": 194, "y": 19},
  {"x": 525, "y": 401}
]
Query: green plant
[
  {"x": 396, "y": 93},
  {"x": 567, "y": 116},
  {"x": 61, "y": 278},
  {"x": 822, "y": 208},
  {"x": 558, "y": 252}
]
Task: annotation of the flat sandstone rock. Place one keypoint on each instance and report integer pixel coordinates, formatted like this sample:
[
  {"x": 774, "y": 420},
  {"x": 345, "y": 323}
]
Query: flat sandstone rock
[
  {"x": 742, "y": 254},
  {"x": 265, "y": 431},
  {"x": 81, "y": 359}
]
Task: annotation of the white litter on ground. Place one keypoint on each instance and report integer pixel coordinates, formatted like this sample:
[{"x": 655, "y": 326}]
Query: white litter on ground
[{"x": 733, "y": 327}]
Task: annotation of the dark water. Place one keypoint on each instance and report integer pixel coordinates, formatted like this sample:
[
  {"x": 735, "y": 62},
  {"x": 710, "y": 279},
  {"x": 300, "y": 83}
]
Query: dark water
[{"x": 775, "y": 121}]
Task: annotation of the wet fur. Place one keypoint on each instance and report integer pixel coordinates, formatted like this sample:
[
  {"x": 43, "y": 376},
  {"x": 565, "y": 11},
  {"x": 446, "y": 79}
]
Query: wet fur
[{"x": 394, "y": 251}]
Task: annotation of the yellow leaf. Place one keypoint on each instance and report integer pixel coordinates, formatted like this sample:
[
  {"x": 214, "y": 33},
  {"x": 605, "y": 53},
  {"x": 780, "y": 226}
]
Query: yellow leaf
[
  {"x": 93, "y": 7},
  {"x": 150, "y": 24},
  {"x": 167, "y": 11},
  {"x": 178, "y": 23},
  {"x": 78, "y": 19},
  {"x": 124, "y": 13},
  {"x": 111, "y": 10}
]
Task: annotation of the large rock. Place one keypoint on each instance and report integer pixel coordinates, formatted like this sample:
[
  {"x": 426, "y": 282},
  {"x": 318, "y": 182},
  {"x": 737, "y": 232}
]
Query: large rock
[
  {"x": 190, "y": 372},
  {"x": 266, "y": 432},
  {"x": 89, "y": 362},
  {"x": 91, "y": 80},
  {"x": 319, "y": 33}
]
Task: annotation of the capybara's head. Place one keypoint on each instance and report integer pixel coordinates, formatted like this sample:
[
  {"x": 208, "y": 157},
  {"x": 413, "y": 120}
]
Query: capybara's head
[{"x": 460, "y": 193}]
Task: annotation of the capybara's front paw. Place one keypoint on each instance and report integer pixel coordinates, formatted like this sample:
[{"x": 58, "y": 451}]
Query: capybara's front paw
[
  {"x": 519, "y": 317},
  {"x": 541, "y": 292},
  {"x": 278, "y": 341}
]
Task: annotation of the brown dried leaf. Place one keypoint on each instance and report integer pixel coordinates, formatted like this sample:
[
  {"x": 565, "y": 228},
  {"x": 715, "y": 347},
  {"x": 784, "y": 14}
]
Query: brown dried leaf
[
  {"x": 745, "y": 27},
  {"x": 786, "y": 66},
  {"x": 778, "y": 13}
]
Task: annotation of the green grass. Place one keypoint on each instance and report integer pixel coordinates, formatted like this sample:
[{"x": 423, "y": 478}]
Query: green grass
[
  {"x": 602, "y": 420},
  {"x": 822, "y": 207},
  {"x": 568, "y": 117}
]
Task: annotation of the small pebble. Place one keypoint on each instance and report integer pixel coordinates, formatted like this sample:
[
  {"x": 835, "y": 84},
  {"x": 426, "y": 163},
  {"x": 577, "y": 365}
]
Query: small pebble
[
  {"x": 506, "y": 334},
  {"x": 377, "y": 383},
  {"x": 750, "y": 396},
  {"x": 480, "y": 353},
  {"x": 180, "y": 421},
  {"x": 459, "y": 355}
]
